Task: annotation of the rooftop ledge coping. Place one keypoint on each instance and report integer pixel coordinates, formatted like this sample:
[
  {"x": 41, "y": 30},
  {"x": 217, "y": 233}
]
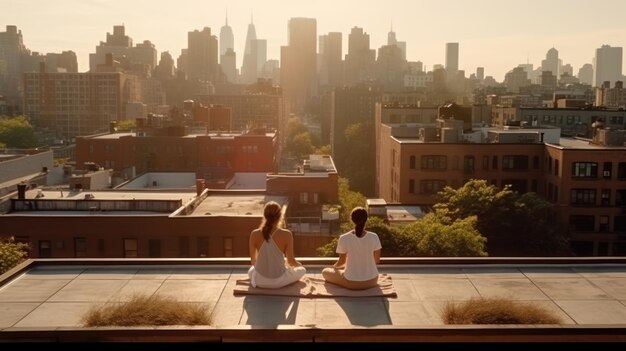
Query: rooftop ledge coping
[{"x": 580, "y": 332}]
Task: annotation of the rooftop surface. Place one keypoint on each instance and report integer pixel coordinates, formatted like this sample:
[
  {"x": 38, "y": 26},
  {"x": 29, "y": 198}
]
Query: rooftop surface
[
  {"x": 51, "y": 298},
  {"x": 235, "y": 205},
  {"x": 156, "y": 194}
]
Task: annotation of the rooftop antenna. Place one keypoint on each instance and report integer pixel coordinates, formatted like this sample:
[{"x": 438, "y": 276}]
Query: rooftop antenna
[
  {"x": 227, "y": 16},
  {"x": 391, "y": 25},
  {"x": 251, "y": 17}
]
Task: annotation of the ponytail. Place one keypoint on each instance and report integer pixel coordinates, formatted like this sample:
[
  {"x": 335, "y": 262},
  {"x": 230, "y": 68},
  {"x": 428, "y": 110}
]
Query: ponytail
[
  {"x": 272, "y": 214},
  {"x": 359, "y": 218}
]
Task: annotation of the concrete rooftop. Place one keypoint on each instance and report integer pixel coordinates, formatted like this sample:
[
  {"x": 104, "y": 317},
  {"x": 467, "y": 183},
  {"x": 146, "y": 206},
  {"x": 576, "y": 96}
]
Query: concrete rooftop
[{"x": 48, "y": 298}]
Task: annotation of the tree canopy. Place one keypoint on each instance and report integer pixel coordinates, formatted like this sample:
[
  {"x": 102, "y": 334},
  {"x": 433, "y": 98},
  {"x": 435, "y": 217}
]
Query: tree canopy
[
  {"x": 11, "y": 254},
  {"x": 513, "y": 224},
  {"x": 431, "y": 236},
  {"x": 17, "y": 132}
]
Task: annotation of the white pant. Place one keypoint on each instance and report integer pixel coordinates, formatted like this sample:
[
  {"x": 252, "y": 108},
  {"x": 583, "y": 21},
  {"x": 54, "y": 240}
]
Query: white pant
[{"x": 291, "y": 275}]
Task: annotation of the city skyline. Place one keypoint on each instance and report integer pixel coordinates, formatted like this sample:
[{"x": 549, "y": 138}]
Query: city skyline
[{"x": 515, "y": 32}]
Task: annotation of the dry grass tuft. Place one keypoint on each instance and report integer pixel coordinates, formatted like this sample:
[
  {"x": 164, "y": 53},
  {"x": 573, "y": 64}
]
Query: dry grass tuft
[
  {"x": 147, "y": 310},
  {"x": 496, "y": 310}
]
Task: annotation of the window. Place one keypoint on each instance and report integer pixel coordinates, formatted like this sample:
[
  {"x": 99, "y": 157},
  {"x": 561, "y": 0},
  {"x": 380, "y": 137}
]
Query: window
[
  {"x": 437, "y": 162},
  {"x": 22, "y": 240},
  {"x": 536, "y": 162},
  {"x": 604, "y": 223},
  {"x": 203, "y": 246},
  {"x": 549, "y": 164},
  {"x": 183, "y": 246},
  {"x": 519, "y": 185},
  {"x": 154, "y": 246},
  {"x": 605, "y": 197},
  {"x": 494, "y": 162},
  {"x": 621, "y": 170},
  {"x": 485, "y": 163},
  {"x": 607, "y": 170},
  {"x": 304, "y": 198},
  {"x": 228, "y": 247},
  {"x": 583, "y": 196},
  {"x": 412, "y": 162},
  {"x": 620, "y": 198},
  {"x": 533, "y": 185},
  {"x": 514, "y": 162},
  {"x": 411, "y": 186},
  {"x": 130, "y": 248},
  {"x": 45, "y": 248},
  {"x": 582, "y": 222},
  {"x": 316, "y": 198},
  {"x": 584, "y": 170},
  {"x": 468, "y": 164},
  {"x": 431, "y": 186},
  {"x": 556, "y": 167},
  {"x": 80, "y": 247}
]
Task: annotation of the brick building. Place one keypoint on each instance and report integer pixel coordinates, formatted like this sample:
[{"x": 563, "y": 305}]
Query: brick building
[{"x": 584, "y": 178}]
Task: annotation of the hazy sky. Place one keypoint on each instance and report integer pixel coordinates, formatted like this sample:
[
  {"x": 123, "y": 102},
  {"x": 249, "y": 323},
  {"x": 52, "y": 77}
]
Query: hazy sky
[{"x": 496, "y": 34}]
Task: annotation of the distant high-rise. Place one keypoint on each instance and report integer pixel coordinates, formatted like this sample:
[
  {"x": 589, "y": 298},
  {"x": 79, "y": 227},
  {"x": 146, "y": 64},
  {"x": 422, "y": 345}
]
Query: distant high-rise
[
  {"x": 121, "y": 46},
  {"x": 551, "y": 63},
  {"x": 359, "y": 62},
  {"x": 299, "y": 62},
  {"x": 249, "y": 67},
  {"x": 585, "y": 74},
  {"x": 607, "y": 65},
  {"x": 166, "y": 69},
  {"x": 202, "y": 55},
  {"x": 12, "y": 49},
  {"x": 229, "y": 65},
  {"x": 452, "y": 58},
  {"x": 391, "y": 40},
  {"x": 330, "y": 63},
  {"x": 480, "y": 73},
  {"x": 227, "y": 39}
]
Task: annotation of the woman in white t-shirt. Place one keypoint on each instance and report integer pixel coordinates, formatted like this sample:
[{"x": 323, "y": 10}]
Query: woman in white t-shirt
[{"x": 359, "y": 252}]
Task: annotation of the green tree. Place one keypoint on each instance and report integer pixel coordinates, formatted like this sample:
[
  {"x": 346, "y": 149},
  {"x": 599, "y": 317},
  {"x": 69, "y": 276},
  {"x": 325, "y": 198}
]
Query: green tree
[
  {"x": 301, "y": 146},
  {"x": 437, "y": 236},
  {"x": 357, "y": 160},
  {"x": 323, "y": 150},
  {"x": 11, "y": 254},
  {"x": 126, "y": 125},
  {"x": 348, "y": 200},
  {"x": 17, "y": 132},
  {"x": 431, "y": 236},
  {"x": 513, "y": 224}
]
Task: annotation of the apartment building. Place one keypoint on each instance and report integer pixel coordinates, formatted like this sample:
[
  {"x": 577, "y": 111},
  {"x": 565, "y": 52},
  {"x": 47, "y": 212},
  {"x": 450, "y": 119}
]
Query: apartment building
[{"x": 584, "y": 178}]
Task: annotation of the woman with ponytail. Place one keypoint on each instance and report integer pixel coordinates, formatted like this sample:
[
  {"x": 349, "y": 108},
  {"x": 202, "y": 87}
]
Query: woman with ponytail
[
  {"x": 269, "y": 246},
  {"x": 359, "y": 252}
]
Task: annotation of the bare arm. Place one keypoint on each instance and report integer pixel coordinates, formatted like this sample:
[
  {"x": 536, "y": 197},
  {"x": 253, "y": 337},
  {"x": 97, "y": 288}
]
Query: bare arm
[
  {"x": 377, "y": 256},
  {"x": 252, "y": 249},
  {"x": 289, "y": 252},
  {"x": 341, "y": 262}
]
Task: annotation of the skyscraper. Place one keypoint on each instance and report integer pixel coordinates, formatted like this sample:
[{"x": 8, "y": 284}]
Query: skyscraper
[
  {"x": 607, "y": 65},
  {"x": 202, "y": 55},
  {"x": 249, "y": 67},
  {"x": 360, "y": 59},
  {"x": 551, "y": 63},
  {"x": 585, "y": 74},
  {"x": 227, "y": 39},
  {"x": 299, "y": 62},
  {"x": 452, "y": 58},
  {"x": 330, "y": 64}
]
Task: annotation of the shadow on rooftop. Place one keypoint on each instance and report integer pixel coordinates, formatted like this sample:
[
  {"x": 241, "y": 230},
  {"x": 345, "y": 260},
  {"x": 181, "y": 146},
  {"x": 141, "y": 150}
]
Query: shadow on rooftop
[{"x": 269, "y": 310}]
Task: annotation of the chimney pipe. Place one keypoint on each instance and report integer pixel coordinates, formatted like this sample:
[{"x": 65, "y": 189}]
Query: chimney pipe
[
  {"x": 199, "y": 186},
  {"x": 21, "y": 191}
]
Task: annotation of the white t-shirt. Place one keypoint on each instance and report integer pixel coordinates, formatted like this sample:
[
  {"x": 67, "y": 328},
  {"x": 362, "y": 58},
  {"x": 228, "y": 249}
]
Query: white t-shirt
[{"x": 360, "y": 265}]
